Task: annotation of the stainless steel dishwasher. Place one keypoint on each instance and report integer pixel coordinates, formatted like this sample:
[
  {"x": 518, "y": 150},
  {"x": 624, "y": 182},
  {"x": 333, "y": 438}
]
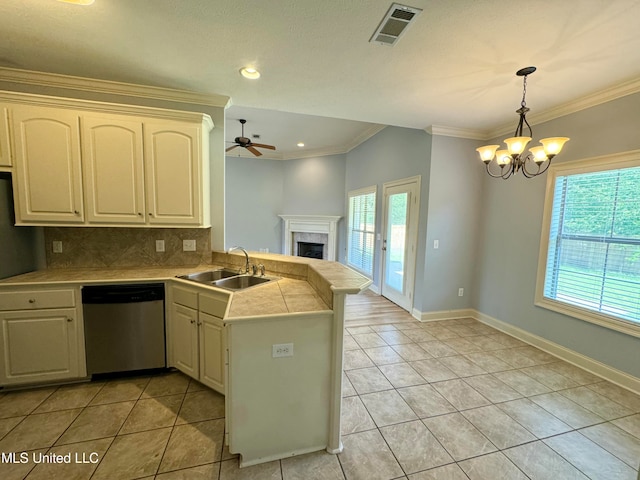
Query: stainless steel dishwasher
[{"x": 124, "y": 327}]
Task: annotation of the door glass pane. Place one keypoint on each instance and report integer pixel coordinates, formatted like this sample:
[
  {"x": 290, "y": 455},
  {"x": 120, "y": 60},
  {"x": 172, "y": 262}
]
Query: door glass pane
[{"x": 396, "y": 241}]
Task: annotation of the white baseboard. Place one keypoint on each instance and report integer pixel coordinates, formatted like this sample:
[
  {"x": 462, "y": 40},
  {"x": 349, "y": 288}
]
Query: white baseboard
[
  {"x": 374, "y": 288},
  {"x": 595, "y": 367},
  {"x": 444, "y": 314}
]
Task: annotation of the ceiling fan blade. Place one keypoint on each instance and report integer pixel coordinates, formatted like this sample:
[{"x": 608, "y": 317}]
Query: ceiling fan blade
[
  {"x": 254, "y": 151},
  {"x": 262, "y": 145},
  {"x": 231, "y": 148}
]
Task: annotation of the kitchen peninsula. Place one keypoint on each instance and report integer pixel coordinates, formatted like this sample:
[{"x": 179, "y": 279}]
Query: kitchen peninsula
[{"x": 279, "y": 357}]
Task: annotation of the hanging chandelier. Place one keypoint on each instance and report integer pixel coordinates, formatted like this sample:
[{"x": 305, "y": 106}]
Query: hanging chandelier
[{"x": 512, "y": 160}]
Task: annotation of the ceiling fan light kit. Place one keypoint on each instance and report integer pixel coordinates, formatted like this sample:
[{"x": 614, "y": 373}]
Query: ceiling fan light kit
[
  {"x": 245, "y": 142},
  {"x": 511, "y": 160}
]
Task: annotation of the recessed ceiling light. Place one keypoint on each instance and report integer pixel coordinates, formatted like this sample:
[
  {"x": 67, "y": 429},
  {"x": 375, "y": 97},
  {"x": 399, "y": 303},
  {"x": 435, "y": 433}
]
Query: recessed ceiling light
[
  {"x": 78, "y": 2},
  {"x": 249, "y": 72},
  {"x": 300, "y": 144}
]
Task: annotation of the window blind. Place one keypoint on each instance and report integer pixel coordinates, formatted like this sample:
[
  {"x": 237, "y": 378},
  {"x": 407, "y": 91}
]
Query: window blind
[
  {"x": 361, "y": 235},
  {"x": 593, "y": 258}
]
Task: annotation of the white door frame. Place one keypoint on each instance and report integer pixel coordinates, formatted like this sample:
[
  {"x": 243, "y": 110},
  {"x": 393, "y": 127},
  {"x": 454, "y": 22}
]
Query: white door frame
[{"x": 413, "y": 187}]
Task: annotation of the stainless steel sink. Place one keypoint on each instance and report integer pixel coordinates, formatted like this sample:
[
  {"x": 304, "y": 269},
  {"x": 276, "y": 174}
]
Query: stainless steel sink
[
  {"x": 210, "y": 276},
  {"x": 227, "y": 279},
  {"x": 241, "y": 282}
]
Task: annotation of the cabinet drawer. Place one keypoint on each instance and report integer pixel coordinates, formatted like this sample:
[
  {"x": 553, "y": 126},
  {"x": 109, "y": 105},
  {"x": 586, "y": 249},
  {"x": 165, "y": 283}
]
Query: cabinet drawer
[
  {"x": 37, "y": 299},
  {"x": 215, "y": 305},
  {"x": 182, "y": 296}
]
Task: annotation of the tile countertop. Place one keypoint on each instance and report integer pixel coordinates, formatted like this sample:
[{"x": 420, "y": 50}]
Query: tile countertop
[
  {"x": 309, "y": 289},
  {"x": 100, "y": 275}
]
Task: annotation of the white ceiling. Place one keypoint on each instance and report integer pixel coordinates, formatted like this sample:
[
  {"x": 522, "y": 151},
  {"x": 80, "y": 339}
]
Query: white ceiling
[{"x": 455, "y": 65}]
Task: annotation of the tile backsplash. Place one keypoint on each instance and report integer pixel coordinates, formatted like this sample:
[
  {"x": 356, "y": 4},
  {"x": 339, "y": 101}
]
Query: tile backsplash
[{"x": 125, "y": 247}]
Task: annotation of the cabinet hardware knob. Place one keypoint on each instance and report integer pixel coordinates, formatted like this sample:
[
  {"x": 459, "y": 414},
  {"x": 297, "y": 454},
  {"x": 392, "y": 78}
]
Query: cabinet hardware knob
[
  {"x": 139, "y": 214},
  {"x": 192, "y": 322},
  {"x": 199, "y": 323},
  {"x": 76, "y": 212},
  {"x": 32, "y": 300},
  {"x": 69, "y": 319},
  {"x": 150, "y": 214}
]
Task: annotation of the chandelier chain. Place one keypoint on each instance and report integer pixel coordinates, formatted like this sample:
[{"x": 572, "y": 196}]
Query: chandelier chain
[{"x": 523, "y": 103}]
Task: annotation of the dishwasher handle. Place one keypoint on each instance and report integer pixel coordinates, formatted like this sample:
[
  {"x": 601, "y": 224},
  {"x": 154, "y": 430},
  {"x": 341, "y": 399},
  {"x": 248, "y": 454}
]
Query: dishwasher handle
[{"x": 129, "y": 293}]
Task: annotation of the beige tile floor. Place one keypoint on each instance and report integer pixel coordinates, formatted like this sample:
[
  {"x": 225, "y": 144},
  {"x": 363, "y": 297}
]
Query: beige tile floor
[{"x": 444, "y": 400}]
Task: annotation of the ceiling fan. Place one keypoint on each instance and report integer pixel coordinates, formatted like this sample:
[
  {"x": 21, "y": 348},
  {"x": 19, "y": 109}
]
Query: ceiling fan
[{"x": 245, "y": 142}]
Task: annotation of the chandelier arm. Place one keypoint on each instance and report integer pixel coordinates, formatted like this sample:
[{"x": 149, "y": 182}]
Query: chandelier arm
[
  {"x": 528, "y": 126},
  {"x": 529, "y": 174},
  {"x": 504, "y": 172},
  {"x": 492, "y": 174},
  {"x": 510, "y": 171}
]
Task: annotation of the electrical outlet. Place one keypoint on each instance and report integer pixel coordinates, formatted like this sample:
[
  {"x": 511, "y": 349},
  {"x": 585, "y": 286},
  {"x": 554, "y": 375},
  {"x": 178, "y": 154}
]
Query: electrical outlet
[
  {"x": 282, "y": 350},
  {"x": 188, "y": 245},
  {"x": 57, "y": 246},
  {"x": 436, "y": 244},
  {"x": 159, "y": 245},
  {"x": 460, "y": 292}
]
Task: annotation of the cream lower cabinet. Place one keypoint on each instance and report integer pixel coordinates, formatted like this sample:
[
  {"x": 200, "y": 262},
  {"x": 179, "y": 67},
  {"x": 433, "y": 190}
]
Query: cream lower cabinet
[
  {"x": 41, "y": 341},
  {"x": 5, "y": 151},
  {"x": 197, "y": 340},
  {"x": 48, "y": 176}
]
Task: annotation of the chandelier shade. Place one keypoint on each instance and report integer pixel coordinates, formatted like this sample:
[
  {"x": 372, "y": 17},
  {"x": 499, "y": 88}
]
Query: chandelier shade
[{"x": 512, "y": 159}]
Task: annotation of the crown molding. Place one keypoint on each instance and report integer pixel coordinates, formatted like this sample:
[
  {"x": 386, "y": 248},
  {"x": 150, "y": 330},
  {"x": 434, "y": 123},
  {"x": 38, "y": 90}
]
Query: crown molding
[
  {"x": 456, "y": 132},
  {"x": 54, "y": 80},
  {"x": 363, "y": 137},
  {"x": 93, "y": 106},
  {"x": 317, "y": 152},
  {"x": 603, "y": 96},
  {"x": 598, "y": 98}
]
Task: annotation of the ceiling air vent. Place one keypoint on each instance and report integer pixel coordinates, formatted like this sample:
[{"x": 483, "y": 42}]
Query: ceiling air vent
[{"x": 394, "y": 24}]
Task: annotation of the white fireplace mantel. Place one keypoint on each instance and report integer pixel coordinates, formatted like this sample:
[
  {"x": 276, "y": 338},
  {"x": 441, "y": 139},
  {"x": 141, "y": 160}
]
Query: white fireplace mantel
[{"x": 311, "y": 224}]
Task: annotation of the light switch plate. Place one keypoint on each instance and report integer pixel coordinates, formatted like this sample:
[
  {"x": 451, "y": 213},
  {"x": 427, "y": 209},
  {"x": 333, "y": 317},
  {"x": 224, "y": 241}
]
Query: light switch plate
[
  {"x": 57, "y": 246},
  {"x": 188, "y": 245},
  {"x": 159, "y": 245}
]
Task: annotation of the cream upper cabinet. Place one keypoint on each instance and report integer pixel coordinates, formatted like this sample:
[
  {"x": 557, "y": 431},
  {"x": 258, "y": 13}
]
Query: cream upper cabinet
[
  {"x": 91, "y": 163},
  {"x": 177, "y": 175},
  {"x": 113, "y": 170},
  {"x": 5, "y": 151},
  {"x": 47, "y": 161}
]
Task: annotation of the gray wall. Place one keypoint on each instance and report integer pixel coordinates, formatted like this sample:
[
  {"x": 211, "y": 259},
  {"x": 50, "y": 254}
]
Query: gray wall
[
  {"x": 21, "y": 248},
  {"x": 258, "y": 190},
  {"x": 392, "y": 154},
  {"x": 453, "y": 218},
  {"x": 253, "y": 201},
  {"x": 507, "y": 253}
]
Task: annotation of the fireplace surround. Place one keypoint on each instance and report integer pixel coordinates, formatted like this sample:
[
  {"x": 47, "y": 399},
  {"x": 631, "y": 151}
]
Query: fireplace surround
[{"x": 323, "y": 229}]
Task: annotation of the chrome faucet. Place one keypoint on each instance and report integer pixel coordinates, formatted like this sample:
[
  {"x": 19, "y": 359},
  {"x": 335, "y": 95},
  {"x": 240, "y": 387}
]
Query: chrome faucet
[{"x": 246, "y": 255}]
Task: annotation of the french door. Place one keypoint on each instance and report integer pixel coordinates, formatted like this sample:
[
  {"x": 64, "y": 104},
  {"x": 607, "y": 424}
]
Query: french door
[{"x": 400, "y": 208}]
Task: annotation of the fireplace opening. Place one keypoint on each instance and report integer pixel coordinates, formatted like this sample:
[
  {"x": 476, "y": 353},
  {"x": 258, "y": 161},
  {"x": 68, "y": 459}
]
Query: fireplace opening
[{"x": 310, "y": 250}]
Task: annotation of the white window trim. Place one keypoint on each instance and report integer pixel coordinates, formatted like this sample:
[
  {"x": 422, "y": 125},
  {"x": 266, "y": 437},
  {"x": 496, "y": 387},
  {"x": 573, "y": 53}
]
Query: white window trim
[
  {"x": 356, "y": 193},
  {"x": 594, "y": 164}
]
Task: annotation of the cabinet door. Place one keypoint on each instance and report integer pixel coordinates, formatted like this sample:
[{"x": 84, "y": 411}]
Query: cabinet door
[
  {"x": 113, "y": 169},
  {"x": 212, "y": 351},
  {"x": 173, "y": 158},
  {"x": 38, "y": 346},
  {"x": 184, "y": 340},
  {"x": 47, "y": 161},
  {"x": 5, "y": 152}
]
